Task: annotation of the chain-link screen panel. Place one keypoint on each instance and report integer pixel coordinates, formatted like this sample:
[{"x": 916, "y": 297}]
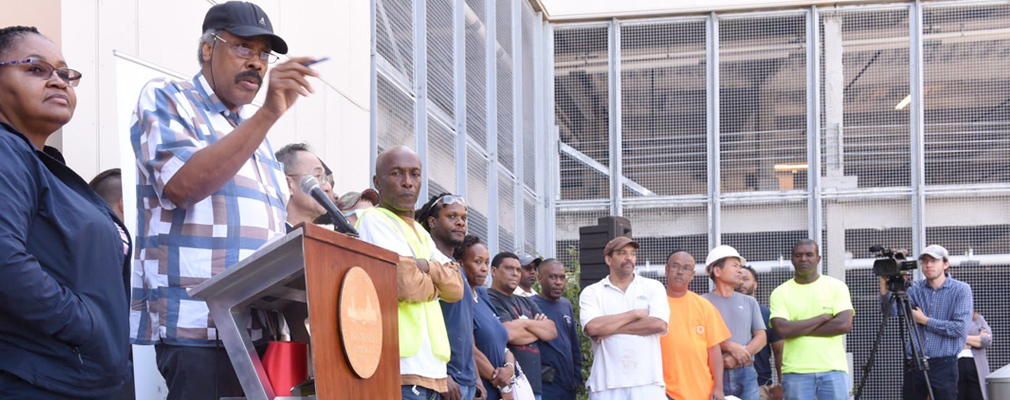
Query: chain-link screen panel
[
  {"x": 967, "y": 94},
  {"x": 852, "y": 226},
  {"x": 763, "y": 103},
  {"x": 477, "y": 204},
  {"x": 662, "y": 229},
  {"x": 394, "y": 35},
  {"x": 506, "y": 212},
  {"x": 865, "y": 140},
  {"x": 990, "y": 296},
  {"x": 395, "y": 115},
  {"x": 440, "y": 57},
  {"x": 664, "y": 107},
  {"x": 529, "y": 223},
  {"x": 885, "y": 379},
  {"x": 977, "y": 242},
  {"x": 441, "y": 155},
  {"x": 476, "y": 71},
  {"x": 530, "y": 29},
  {"x": 566, "y": 234},
  {"x": 983, "y": 231},
  {"x": 764, "y": 232},
  {"x": 505, "y": 86},
  {"x": 582, "y": 110}
]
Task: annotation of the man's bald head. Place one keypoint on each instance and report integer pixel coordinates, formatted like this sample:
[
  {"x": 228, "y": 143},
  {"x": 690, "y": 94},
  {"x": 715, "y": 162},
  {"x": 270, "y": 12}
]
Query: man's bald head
[
  {"x": 398, "y": 179},
  {"x": 400, "y": 153}
]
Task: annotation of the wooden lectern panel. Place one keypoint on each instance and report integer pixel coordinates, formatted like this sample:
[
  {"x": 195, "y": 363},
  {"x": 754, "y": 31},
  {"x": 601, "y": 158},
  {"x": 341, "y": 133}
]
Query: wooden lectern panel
[{"x": 328, "y": 257}]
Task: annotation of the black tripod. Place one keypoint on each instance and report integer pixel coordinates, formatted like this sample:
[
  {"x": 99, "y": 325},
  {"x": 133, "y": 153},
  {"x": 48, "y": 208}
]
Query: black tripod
[{"x": 897, "y": 285}]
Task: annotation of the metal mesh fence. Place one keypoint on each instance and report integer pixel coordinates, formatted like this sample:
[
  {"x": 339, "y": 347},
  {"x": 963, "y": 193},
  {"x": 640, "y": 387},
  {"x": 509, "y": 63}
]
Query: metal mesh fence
[
  {"x": 762, "y": 99},
  {"x": 582, "y": 110},
  {"x": 529, "y": 135},
  {"x": 516, "y": 30},
  {"x": 966, "y": 97},
  {"x": 664, "y": 108},
  {"x": 441, "y": 85},
  {"x": 395, "y": 36},
  {"x": 506, "y": 212},
  {"x": 865, "y": 136},
  {"x": 476, "y": 71},
  {"x": 567, "y": 223},
  {"x": 506, "y": 104},
  {"x": 529, "y": 223},
  {"x": 477, "y": 193},
  {"x": 396, "y": 115},
  {"x": 441, "y": 156},
  {"x": 864, "y": 131}
]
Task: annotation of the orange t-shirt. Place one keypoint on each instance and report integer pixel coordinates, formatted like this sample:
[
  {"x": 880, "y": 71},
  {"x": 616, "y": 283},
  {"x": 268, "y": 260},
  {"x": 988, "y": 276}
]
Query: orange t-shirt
[{"x": 695, "y": 325}]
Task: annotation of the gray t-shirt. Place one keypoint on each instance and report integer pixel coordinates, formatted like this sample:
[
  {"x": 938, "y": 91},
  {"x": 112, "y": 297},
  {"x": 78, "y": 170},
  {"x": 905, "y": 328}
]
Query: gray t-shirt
[{"x": 741, "y": 314}]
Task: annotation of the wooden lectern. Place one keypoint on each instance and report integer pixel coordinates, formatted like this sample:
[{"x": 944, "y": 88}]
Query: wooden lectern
[{"x": 311, "y": 265}]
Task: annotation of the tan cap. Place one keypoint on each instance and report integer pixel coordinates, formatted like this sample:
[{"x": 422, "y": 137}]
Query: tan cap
[
  {"x": 936, "y": 251},
  {"x": 617, "y": 243}
]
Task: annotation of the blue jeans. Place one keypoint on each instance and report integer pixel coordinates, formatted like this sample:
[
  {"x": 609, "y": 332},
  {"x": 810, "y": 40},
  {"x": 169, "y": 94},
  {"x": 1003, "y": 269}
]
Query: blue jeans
[
  {"x": 414, "y": 392},
  {"x": 741, "y": 382},
  {"x": 832, "y": 385},
  {"x": 555, "y": 392}
]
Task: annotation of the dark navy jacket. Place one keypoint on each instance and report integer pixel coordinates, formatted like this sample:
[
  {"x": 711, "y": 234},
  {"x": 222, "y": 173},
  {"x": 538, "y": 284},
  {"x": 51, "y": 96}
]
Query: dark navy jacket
[
  {"x": 64, "y": 307},
  {"x": 563, "y": 353}
]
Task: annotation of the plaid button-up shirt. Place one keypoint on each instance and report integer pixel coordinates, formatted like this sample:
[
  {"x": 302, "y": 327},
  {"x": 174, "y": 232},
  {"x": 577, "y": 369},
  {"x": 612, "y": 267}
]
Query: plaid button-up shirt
[
  {"x": 180, "y": 248},
  {"x": 949, "y": 311}
]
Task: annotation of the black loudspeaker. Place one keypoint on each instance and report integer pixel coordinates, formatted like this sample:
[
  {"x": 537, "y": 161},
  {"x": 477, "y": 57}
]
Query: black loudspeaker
[{"x": 592, "y": 240}]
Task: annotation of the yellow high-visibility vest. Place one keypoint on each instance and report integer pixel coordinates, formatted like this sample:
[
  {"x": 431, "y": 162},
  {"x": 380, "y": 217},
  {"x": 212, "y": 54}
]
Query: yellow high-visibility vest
[{"x": 412, "y": 314}]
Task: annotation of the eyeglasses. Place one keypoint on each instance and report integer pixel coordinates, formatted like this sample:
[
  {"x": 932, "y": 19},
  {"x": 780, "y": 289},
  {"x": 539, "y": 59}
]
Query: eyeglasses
[
  {"x": 450, "y": 199},
  {"x": 244, "y": 52},
  {"x": 43, "y": 70},
  {"x": 320, "y": 176}
]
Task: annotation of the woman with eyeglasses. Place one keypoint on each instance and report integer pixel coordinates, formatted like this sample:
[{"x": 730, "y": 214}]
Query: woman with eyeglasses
[{"x": 64, "y": 304}]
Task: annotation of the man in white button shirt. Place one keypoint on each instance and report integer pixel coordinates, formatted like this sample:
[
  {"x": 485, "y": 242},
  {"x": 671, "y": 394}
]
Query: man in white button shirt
[{"x": 625, "y": 314}]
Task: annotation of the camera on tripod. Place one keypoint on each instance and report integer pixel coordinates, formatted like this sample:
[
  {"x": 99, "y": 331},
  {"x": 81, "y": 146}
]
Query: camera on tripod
[{"x": 892, "y": 262}]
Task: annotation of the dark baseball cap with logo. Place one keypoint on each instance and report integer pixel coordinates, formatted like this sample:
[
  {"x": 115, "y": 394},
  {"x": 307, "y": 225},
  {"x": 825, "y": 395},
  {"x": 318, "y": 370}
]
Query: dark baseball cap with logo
[{"x": 245, "y": 20}]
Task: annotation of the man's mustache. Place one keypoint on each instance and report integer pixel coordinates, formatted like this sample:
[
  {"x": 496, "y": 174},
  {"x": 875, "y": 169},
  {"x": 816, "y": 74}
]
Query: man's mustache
[{"x": 249, "y": 74}]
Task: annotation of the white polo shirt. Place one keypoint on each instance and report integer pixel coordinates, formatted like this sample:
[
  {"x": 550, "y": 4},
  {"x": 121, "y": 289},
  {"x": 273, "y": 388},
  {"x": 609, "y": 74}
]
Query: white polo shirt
[{"x": 623, "y": 361}]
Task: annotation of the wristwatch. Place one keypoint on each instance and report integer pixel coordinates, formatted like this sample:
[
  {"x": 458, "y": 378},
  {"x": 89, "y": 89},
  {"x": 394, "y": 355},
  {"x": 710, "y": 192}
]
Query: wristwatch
[{"x": 506, "y": 389}]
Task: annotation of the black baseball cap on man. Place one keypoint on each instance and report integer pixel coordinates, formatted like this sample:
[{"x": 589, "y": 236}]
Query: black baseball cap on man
[{"x": 245, "y": 20}]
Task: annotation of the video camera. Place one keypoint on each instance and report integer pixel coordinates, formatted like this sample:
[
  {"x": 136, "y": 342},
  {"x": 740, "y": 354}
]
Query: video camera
[{"x": 892, "y": 262}]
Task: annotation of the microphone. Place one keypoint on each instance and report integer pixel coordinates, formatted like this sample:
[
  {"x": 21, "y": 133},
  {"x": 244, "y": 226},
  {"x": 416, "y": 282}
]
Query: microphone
[{"x": 310, "y": 185}]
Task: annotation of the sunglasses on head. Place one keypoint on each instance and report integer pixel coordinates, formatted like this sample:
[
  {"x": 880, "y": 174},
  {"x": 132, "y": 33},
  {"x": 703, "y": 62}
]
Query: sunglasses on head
[{"x": 450, "y": 199}]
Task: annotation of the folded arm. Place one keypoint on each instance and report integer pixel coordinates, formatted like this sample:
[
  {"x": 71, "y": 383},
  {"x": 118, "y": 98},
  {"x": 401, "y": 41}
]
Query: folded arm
[
  {"x": 519, "y": 333},
  {"x": 643, "y": 327},
  {"x": 609, "y": 324},
  {"x": 793, "y": 329},
  {"x": 840, "y": 324}
]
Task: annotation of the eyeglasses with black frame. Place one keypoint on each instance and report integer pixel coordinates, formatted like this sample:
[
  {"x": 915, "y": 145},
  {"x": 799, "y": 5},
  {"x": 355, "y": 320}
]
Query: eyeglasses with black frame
[
  {"x": 43, "y": 70},
  {"x": 242, "y": 51}
]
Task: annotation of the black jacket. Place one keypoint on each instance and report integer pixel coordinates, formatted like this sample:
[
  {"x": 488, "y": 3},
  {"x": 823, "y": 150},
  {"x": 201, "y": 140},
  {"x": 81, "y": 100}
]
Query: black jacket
[{"x": 64, "y": 304}]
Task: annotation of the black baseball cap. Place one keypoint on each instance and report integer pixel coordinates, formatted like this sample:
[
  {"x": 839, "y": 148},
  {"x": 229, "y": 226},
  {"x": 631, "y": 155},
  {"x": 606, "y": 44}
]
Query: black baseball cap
[{"x": 245, "y": 20}]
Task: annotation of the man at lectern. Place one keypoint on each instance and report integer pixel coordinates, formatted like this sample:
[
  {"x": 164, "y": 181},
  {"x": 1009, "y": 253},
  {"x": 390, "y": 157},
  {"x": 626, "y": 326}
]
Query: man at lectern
[
  {"x": 423, "y": 274},
  {"x": 210, "y": 191}
]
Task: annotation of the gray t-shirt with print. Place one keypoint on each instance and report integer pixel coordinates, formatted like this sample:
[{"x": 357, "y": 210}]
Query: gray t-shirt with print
[{"x": 741, "y": 314}]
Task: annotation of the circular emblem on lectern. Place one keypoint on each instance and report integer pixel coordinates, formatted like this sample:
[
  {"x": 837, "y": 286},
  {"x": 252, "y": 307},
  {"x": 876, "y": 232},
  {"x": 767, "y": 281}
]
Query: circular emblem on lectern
[{"x": 359, "y": 321}]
